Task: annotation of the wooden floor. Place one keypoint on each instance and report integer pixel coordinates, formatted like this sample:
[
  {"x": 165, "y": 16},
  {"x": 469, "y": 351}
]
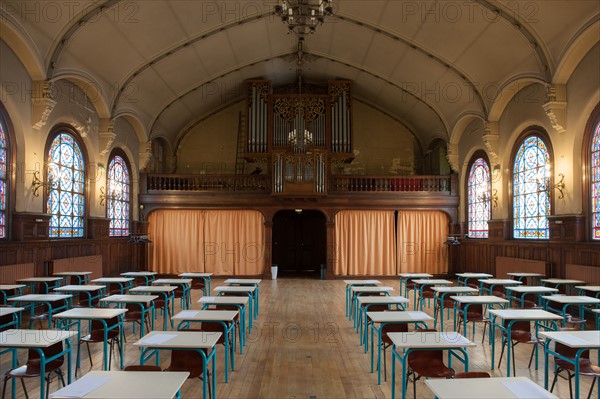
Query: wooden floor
[{"x": 302, "y": 346}]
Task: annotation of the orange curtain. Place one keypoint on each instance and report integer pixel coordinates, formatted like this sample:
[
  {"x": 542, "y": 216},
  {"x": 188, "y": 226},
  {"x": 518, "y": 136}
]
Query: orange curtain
[
  {"x": 234, "y": 242},
  {"x": 221, "y": 242},
  {"x": 420, "y": 242},
  {"x": 364, "y": 243},
  {"x": 177, "y": 237}
]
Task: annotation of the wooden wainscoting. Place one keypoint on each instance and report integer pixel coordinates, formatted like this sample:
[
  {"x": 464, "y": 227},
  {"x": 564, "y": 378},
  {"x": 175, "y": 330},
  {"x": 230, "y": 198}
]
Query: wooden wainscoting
[{"x": 506, "y": 265}]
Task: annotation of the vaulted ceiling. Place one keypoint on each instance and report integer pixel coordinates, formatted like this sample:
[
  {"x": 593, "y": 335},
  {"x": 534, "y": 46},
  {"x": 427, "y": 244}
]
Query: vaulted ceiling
[{"x": 172, "y": 63}]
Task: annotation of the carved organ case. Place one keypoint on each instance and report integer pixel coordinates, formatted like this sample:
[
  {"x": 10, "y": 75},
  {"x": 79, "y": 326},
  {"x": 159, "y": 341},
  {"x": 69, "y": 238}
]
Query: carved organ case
[{"x": 299, "y": 134}]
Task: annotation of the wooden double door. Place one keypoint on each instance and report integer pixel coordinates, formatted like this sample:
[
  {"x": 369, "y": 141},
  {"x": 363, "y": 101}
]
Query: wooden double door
[{"x": 299, "y": 242}]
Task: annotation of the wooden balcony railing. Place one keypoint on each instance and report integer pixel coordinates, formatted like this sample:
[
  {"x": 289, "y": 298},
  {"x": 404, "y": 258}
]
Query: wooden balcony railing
[
  {"x": 337, "y": 184},
  {"x": 357, "y": 183},
  {"x": 223, "y": 183}
]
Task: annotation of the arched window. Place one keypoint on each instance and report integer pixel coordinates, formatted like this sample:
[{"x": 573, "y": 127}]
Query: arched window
[
  {"x": 4, "y": 176},
  {"x": 595, "y": 183},
  {"x": 479, "y": 198},
  {"x": 66, "y": 178},
  {"x": 118, "y": 196},
  {"x": 531, "y": 182}
]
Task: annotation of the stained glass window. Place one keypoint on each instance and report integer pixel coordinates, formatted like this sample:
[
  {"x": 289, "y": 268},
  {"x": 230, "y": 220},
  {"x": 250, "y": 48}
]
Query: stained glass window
[
  {"x": 479, "y": 199},
  {"x": 66, "y": 178},
  {"x": 117, "y": 195},
  {"x": 531, "y": 198},
  {"x": 595, "y": 181},
  {"x": 3, "y": 179}
]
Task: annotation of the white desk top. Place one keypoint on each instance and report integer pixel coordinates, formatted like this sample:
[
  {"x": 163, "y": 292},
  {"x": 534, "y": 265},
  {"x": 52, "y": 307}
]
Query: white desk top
[
  {"x": 519, "y": 274},
  {"x": 474, "y": 275},
  {"x": 154, "y": 288},
  {"x": 80, "y": 288},
  {"x": 500, "y": 281},
  {"x": 388, "y": 299},
  {"x": 129, "y": 298},
  {"x": 371, "y": 289},
  {"x": 572, "y": 299},
  {"x": 243, "y": 281},
  {"x": 179, "y": 339},
  {"x": 224, "y": 300},
  {"x": 479, "y": 299},
  {"x": 7, "y": 287},
  {"x": 457, "y": 289},
  {"x": 575, "y": 339},
  {"x": 138, "y": 274},
  {"x": 89, "y": 313},
  {"x": 192, "y": 275},
  {"x": 596, "y": 310},
  {"x": 561, "y": 281},
  {"x": 488, "y": 388},
  {"x": 39, "y": 298},
  {"x": 205, "y": 315},
  {"x": 433, "y": 340},
  {"x": 7, "y": 311},
  {"x": 113, "y": 280},
  {"x": 233, "y": 288},
  {"x": 39, "y": 279},
  {"x": 433, "y": 282},
  {"x": 528, "y": 289},
  {"x": 124, "y": 385},
  {"x": 178, "y": 281},
  {"x": 71, "y": 273},
  {"x": 525, "y": 314},
  {"x": 415, "y": 275},
  {"x": 363, "y": 282},
  {"x": 593, "y": 288},
  {"x": 399, "y": 317},
  {"x": 33, "y": 338}
]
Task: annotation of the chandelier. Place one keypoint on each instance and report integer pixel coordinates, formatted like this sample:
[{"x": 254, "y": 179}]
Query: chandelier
[
  {"x": 302, "y": 16},
  {"x": 299, "y": 141}
]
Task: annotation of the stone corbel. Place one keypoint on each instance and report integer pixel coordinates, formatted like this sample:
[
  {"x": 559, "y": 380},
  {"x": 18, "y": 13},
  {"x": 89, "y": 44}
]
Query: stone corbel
[
  {"x": 145, "y": 154},
  {"x": 556, "y": 107},
  {"x": 490, "y": 139},
  {"x": 452, "y": 156},
  {"x": 107, "y": 135},
  {"x": 42, "y": 102}
]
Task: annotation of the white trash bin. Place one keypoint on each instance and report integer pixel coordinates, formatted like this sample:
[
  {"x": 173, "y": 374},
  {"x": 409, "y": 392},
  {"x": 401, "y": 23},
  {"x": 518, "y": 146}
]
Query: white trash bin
[{"x": 274, "y": 272}]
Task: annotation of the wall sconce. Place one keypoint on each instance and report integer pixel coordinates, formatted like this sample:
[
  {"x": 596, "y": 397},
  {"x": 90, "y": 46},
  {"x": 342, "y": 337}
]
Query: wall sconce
[
  {"x": 111, "y": 196},
  {"x": 36, "y": 183},
  {"x": 545, "y": 185},
  {"x": 493, "y": 199},
  {"x": 496, "y": 175}
]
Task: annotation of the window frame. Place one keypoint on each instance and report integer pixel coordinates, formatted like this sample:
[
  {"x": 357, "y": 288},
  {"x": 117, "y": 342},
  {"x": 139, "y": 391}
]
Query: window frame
[
  {"x": 476, "y": 155},
  {"x": 10, "y": 198},
  {"x": 119, "y": 152},
  {"x": 586, "y": 155},
  {"x": 543, "y": 135},
  {"x": 54, "y": 132}
]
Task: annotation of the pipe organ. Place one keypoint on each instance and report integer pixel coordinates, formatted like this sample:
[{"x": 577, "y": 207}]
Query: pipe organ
[{"x": 299, "y": 134}]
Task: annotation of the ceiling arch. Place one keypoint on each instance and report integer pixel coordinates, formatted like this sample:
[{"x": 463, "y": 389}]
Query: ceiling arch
[{"x": 22, "y": 46}]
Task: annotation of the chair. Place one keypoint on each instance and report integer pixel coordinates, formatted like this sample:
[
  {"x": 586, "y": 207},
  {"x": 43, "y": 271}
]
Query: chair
[
  {"x": 97, "y": 335},
  {"x": 472, "y": 374},
  {"x": 448, "y": 304},
  {"x": 85, "y": 302},
  {"x": 140, "y": 367},
  {"x": 197, "y": 284},
  {"x": 520, "y": 334},
  {"x": 386, "y": 342},
  {"x": 32, "y": 368},
  {"x": 427, "y": 363},
  {"x": 213, "y": 326},
  {"x": 585, "y": 367},
  {"x": 529, "y": 302},
  {"x": 134, "y": 316},
  {"x": 426, "y": 293},
  {"x": 475, "y": 314},
  {"x": 190, "y": 361}
]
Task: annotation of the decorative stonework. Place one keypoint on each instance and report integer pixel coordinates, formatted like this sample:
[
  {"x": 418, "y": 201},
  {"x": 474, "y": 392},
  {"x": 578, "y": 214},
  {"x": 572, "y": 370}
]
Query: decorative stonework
[
  {"x": 42, "y": 102},
  {"x": 107, "y": 135},
  {"x": 490, "y": 138},
  {"x": 145, "y": 154},
  {"x": 452, "y": 156},
  {"x": 556, "y": 107}
]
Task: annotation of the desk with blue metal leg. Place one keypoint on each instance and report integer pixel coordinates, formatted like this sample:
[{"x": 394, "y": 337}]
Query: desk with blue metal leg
[
  {"x": 144, "y": 302},
  {"x": 357, "y": 283},
  {"x": 440, "y": 300},
  {"x": 241, "y": 303},
  {"x": 204, "y": 276},
  {"x": 403, "y": 344},
  {"x": 52, "y": 303},
  {"x": 168, "y": 294},
  {"x": 10, "y": 317},
  {"x": 202, "y": 342},
  {"x": 9, "y": 291}
]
